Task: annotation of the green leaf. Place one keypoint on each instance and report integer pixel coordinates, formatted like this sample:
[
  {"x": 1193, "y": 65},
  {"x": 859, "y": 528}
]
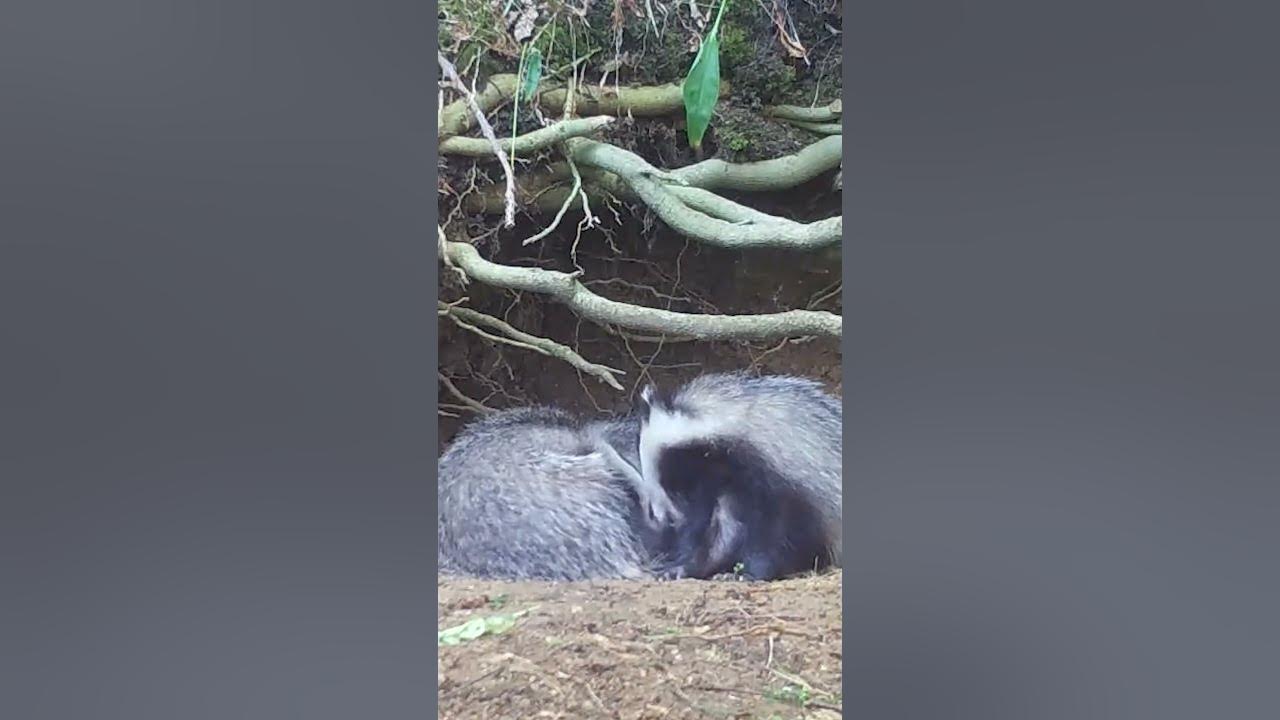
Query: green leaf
[
  {"x": 532, "y": 73},
  {"x": 702, "y": 84},
  {"x": 478, "y": 627},
  {"x": 456, "y": 635}
]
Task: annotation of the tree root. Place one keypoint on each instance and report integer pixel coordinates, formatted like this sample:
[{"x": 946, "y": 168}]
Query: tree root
[
  {"x": 644, "y": 101},
  {"x": 565, "y": 288},
  {"x": 832, "y": 111},
  {"x": 528, "y": 143},
  {"x": 773, "y": 175},
  {"x": 469, "y": 320},
  {"x": 819, "y": 128},
  {"x": 709, "y": 203},
  {"x": 682, "y": 198},
  {"x": 685, "y": 199},
  {"x": 690, "y": 207}
]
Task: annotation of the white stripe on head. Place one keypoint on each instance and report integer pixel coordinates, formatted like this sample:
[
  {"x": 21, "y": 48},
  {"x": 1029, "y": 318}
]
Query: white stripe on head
[
  {"x": 647, "y": 393},
  {"x": 668, "y": 428}
]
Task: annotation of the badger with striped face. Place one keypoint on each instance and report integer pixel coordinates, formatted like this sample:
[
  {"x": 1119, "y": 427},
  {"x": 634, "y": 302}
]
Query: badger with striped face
[{"x": 753, "y": 468}]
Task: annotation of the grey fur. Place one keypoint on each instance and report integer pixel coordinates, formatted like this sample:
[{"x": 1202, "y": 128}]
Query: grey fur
[
  {"x": 532, "y": 493},
  {"x": 618, "y": 440},
  {"x": 793, "y": 423}
]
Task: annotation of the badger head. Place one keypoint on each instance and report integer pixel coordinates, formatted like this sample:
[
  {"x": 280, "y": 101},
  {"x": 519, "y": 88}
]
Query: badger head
[{"x": 666, "y": 424}]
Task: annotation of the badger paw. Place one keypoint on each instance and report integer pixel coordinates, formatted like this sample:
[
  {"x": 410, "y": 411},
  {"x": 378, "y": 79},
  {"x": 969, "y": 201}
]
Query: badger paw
[{"x": 661, "y": 511}]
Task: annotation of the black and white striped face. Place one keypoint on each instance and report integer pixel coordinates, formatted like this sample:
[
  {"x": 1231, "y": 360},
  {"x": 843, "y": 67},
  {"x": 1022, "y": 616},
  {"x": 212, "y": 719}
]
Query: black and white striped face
[{"x": 665, "y": 425}]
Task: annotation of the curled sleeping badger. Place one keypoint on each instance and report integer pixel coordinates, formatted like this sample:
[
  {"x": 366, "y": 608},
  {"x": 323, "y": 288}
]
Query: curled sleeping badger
[
  {"x": 688, "y": 485},
  {"x": 753, "y": 467}
]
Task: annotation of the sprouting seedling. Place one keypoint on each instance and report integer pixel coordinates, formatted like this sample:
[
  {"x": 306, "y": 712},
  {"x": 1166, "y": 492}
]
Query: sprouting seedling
[{"x": 702, "y": 84}]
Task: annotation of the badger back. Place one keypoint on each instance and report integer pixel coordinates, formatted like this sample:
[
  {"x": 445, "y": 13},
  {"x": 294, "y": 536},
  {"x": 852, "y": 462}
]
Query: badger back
[{"x": 524, "y": 495}]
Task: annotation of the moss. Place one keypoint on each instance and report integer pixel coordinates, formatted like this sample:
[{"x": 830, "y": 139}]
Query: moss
[
  {"x": 734, "y": 140},
  {"x": 770, "y": 78},
  {"x": 735, "y": 46},
  {"x": 742, "y": 136}
]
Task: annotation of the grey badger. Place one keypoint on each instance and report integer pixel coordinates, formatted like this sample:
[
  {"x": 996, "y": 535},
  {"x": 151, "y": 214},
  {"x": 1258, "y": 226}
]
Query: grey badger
[
  {"x": 754, "y": 466},
  {"x": 536, "y": 494}
]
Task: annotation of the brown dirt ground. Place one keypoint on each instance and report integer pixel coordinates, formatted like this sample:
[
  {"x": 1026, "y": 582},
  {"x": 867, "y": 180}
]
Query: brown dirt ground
[{"x": 619, "y": 649}]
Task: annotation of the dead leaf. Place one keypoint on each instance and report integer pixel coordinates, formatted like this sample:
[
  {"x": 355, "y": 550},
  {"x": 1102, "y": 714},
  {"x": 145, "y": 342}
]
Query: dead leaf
[
  {"x": 523, "y": 23},
  {"x": 789, "y": 41}
]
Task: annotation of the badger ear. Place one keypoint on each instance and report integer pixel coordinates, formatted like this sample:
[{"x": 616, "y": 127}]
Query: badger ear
[
  {"x": 645, "y": 400},
  {"x": 647, "y": 393}
]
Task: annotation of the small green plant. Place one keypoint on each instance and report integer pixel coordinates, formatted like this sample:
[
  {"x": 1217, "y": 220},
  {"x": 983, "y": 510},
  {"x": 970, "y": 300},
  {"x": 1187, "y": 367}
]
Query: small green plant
[
  {"x": 738, "y": 569},
  {"x": 790, "y": 694},
  {"x": 739, "y": 143},
  {"x": 497, "y": 601},
  {"x": 702, "y": 84}
]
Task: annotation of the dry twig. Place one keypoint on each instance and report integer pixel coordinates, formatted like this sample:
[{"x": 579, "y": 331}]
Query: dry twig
[
  {"x": 468, "y": 319},
  {"x": 509, "y": 217},
  {"x": 469, "y": 402}
]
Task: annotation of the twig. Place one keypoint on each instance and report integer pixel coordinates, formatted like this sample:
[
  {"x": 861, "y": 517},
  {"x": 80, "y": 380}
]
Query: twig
[
  {"x": 780, "y": 629},
  {"x": 442, "y": 242},
  {"x": 509, "y": 219},
  {"x": 826, "y": 294},
  {"x": 447, "y": 692},
  {"x": 758, "y": 693},
  {"x": 590, "y": 219},
  {"x": 454, "y": 391},
  {"x": 490, "y": 336},
  {"x": 564, "y": 207},
  {"x": 545, "y": 346}
]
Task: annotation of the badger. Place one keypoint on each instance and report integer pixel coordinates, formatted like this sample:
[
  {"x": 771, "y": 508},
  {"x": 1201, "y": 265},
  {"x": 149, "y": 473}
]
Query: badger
[
  {"x": 753, "y": 465},
  {"x": 536, "y": 494}
]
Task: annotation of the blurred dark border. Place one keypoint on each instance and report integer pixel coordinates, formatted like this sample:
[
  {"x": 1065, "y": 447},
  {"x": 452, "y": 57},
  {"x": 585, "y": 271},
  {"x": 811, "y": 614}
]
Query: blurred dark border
[
  {"x": 217, "y": 404},
  {"x": 1062, "y": 373}
]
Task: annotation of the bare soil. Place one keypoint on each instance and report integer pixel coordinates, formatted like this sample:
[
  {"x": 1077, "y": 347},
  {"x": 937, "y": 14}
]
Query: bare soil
[{"x": 619, "y": 649}]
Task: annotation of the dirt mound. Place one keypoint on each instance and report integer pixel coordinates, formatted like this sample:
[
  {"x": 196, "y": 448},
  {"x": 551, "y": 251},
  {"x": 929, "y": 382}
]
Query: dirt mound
[{"x": 687, "y": 649}]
